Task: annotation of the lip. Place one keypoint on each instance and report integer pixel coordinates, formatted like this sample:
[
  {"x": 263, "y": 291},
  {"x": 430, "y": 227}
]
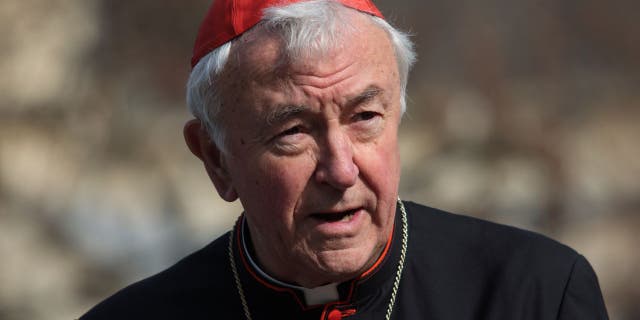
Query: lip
[{"x": 330, "y": 223}]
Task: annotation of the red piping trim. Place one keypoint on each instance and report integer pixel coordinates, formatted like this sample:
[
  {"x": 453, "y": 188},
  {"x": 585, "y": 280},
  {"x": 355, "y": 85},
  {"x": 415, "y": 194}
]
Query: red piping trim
[
  {"x": 324, "y": 311},
  {"x": 380, "y": 259},
  {"x": 290, "y": 291},
  {"x": 362, "y": 276}
]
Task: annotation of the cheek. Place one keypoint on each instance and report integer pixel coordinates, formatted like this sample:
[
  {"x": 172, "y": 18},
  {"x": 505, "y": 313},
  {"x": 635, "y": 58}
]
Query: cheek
[
  {"x": 380, "y": 165},
  {"x": 268, "y": 197},
  {"x": 279, "y": 182}
]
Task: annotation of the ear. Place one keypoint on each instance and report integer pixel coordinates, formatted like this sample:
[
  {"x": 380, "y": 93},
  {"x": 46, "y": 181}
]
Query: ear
[{"x": 200, "y": 144}]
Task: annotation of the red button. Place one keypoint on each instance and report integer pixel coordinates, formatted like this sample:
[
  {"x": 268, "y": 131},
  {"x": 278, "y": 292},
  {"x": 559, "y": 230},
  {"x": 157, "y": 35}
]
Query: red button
[{"x": 335, "y": 314}]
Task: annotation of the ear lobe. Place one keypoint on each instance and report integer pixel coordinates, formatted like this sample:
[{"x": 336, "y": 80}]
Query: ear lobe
[
  {"x": 191, "y": 132},
  {"x": 220, "y": 177},
  {"x": 201, "y": 146}
]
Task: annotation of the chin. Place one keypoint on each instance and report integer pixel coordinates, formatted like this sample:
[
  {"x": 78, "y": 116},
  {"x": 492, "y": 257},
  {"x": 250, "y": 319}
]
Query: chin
[{"x": 346, "y": 264}]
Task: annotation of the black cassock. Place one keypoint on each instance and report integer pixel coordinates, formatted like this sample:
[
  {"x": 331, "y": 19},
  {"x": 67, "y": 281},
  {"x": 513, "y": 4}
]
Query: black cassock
[{"x": 456, "y": 268}]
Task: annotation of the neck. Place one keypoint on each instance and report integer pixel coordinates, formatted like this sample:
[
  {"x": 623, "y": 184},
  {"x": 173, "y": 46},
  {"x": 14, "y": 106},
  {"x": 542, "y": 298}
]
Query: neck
[{"x": 306, "y": 280}]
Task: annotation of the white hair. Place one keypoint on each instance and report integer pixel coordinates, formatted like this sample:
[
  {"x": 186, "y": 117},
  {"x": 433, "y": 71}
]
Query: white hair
[{"x": 308, "y": 27}]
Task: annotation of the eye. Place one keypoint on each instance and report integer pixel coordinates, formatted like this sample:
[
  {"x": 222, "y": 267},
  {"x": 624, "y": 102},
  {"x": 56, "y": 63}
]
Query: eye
[
  {"x": 290, "y": 141},
  {"x": 291, "y": 135},
  {"x": 365, "y": 115},
  {"x": 291, "y": 131},
  {"x": 367, "y": 125}
]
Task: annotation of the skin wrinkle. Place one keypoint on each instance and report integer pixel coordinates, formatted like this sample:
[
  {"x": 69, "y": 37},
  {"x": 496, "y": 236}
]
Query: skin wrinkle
[
  {"x": 367, "y": 95},
  {"x": 321, "y": 81},
  {"x": 283, "y": 113},
  {"x": 298, "y": 37},
  {"x": 342, "y": 160}
]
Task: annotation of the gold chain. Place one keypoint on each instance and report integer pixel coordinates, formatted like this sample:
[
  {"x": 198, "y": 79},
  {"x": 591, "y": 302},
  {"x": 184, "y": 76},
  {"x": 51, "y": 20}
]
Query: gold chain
[
  {"x": 403, "y": 255},
  {"x": 232, "y": 261},
  {"x": 396, "y": 283}
]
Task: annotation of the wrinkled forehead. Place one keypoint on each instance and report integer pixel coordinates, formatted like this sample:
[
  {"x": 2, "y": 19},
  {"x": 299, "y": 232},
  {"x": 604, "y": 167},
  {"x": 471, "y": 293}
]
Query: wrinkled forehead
[{"x": 265, "y": 51}]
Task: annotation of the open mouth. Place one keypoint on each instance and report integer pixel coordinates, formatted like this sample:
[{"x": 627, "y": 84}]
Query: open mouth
[{"x": 343, "y": 216}]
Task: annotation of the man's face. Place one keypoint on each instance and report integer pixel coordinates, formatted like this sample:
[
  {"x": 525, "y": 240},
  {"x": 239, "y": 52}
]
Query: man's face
[{"x": 312, "y": 153}]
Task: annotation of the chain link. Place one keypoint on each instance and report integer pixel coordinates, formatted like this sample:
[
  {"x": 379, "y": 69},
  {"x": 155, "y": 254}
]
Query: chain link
[
  {"x": 232, "y": 261},
  {"x": 403, "y": 254}
]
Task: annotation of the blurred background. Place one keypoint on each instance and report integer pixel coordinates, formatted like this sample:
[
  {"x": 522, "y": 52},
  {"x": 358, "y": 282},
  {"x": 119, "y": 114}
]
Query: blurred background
[{"x": 521, "y": 112}]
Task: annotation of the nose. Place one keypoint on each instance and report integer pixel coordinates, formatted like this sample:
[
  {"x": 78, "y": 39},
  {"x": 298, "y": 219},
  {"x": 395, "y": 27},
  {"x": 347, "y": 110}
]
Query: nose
[{"x": 336, "y": 166}]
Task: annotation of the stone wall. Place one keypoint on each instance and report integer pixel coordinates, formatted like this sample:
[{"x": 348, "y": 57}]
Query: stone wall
[{"x": 520, "y": 112}]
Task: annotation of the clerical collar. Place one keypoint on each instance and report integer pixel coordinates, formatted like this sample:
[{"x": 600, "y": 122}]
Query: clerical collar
[
  {"x": 317, "y": 295},
  {"x": 361, "y": 294}
]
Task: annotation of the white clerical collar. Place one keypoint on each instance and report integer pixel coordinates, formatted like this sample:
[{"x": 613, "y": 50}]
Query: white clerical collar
[{"x": 313, "y": 296}]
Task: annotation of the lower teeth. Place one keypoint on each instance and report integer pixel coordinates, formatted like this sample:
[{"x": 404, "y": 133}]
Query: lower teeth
[{"x": 347, "y": 217}]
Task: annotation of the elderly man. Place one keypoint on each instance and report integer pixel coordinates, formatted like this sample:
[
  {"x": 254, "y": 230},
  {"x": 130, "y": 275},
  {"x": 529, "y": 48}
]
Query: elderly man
[{"x": 297, "y": 107}]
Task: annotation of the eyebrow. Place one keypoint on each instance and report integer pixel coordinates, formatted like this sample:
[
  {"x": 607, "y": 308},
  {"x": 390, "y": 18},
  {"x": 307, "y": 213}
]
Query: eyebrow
[
  {"x": 282, "y": 113},
  {"x": 366, "y": 95}
]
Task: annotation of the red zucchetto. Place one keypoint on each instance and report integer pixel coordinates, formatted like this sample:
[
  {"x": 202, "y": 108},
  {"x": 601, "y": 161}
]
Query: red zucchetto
[{"x": 227, "y": 19}]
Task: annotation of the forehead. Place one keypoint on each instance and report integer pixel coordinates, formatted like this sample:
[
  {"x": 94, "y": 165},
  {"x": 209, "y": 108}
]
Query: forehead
[
  {"x": 263, "y": 54},
  {"x": 261, "y": 76}
]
